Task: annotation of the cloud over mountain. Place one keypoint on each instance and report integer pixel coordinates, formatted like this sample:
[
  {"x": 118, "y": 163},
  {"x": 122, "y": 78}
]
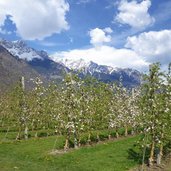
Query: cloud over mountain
[
  {"x": 154, "y": 46},
  {"x": 105, "y": 55},
  {"x": 139, "y": 51}
]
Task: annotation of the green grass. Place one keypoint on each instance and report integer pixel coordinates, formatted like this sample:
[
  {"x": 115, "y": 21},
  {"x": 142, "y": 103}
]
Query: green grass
[{"x": 33, "y": 155}]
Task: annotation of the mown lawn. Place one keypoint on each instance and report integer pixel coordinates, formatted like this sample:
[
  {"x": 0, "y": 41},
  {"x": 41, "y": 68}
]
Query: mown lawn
[{"x": 33, "y": 155}]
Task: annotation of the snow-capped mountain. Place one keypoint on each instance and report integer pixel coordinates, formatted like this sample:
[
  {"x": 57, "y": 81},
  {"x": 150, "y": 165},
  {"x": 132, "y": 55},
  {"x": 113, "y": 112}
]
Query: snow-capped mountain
[
  {"x": 12, "y": 69},
  {"x": 20, "y": 49},
  {"x": 50, "y": 68},
  {"x": 86, "y": 67},
  {"x": 38, "y": 60},
  {"x": 104, "y": 73}
]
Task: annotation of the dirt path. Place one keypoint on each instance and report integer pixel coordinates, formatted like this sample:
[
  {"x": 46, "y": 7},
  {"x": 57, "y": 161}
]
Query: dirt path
[{"x": 92, "y": 144}]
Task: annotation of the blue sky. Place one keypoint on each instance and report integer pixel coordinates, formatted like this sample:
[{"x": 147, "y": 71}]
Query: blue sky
[{"x": 120, "y": 33}]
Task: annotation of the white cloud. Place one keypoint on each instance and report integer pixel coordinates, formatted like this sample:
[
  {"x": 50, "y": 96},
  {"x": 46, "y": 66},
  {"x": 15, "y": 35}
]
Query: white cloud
[
  {"x": 139, "y": 51},
  {"x": 85, "y": 1},
  {"x": 106, "y": 55},
  {"x": 99, "y": 36},
  {"x": 35, "y": 19},
  {"x": 108, "y": 30},
  {"x": 135, "y": 14},
  {"x": 153, "y": 46}
]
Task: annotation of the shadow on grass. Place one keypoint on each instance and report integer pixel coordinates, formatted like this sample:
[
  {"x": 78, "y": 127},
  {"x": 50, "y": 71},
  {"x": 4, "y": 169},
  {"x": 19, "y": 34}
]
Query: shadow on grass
[{"x": 137, "y": 154}]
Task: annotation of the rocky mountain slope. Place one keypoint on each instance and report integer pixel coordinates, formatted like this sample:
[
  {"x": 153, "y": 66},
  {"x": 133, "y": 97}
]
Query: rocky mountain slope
[
  {"x": 38, "y": 60},
  {"x": 12, "y": 68},
  {"x": 130, "y": 77},
  {"x": 53, "y": 68}
]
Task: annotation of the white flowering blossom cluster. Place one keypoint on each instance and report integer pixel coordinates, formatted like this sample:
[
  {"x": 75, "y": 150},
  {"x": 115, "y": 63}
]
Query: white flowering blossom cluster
[
  {"x": 156, "y": 112},
  {"x": 87, "y": 105}
]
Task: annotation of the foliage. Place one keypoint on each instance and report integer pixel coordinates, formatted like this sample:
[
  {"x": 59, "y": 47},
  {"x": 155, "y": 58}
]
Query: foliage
[{"x": 86, "y": 111}]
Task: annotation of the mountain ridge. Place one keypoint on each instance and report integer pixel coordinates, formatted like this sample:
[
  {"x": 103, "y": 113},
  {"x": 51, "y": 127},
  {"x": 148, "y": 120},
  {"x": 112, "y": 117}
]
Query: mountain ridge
[
  {"x": 53, "y": 69},
  {"x": 12, "y": 69},
  {"x": 38, "y": 60},
  {"x": 103, "y": 72}
]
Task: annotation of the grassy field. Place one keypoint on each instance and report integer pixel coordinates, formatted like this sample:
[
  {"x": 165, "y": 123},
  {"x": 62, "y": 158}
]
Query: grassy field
[{"x": 33, "y": 155}]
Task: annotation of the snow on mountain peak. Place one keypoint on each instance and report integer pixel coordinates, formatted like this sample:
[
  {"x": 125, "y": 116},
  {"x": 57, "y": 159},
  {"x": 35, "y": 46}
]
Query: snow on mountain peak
[
  {"x": 74, "y": 64},
  {"x": 84, "y": 66},
  {"x": 19, "y": 43},
  {"x": 20, "y": 49}
]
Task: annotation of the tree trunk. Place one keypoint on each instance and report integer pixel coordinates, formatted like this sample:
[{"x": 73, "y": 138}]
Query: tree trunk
[
  {"x": 160, "y": 154},
  {"x": 89, "y": 138},
  {"x": 35, "y": 128},
  {"x": 109, "y": 137},
  {"x": 35, "y": 135},
  {"x": 79, "y": 142},
  {"x": 117, "y": 134},
  {"x": 75, "y": 141},
  {"x": 109, "y": 134},
  {"x": 26, "y": 132},
  {"x": 75, "y": 138},
  {"x": 151, "y": 159},
  {"x": 98, "y": 138},
  {"x": 126, "y": 131},
  {"x": 18, "y": 137},
  {"x": 66, "y": 146}
]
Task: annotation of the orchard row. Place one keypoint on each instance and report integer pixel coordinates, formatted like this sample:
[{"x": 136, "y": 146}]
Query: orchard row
[{"x": 78, "y": 106}]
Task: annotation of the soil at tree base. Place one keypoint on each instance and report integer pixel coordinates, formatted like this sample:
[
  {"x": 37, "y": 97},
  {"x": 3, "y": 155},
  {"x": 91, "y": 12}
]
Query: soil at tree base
[{"x": 166, "y": 166}]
